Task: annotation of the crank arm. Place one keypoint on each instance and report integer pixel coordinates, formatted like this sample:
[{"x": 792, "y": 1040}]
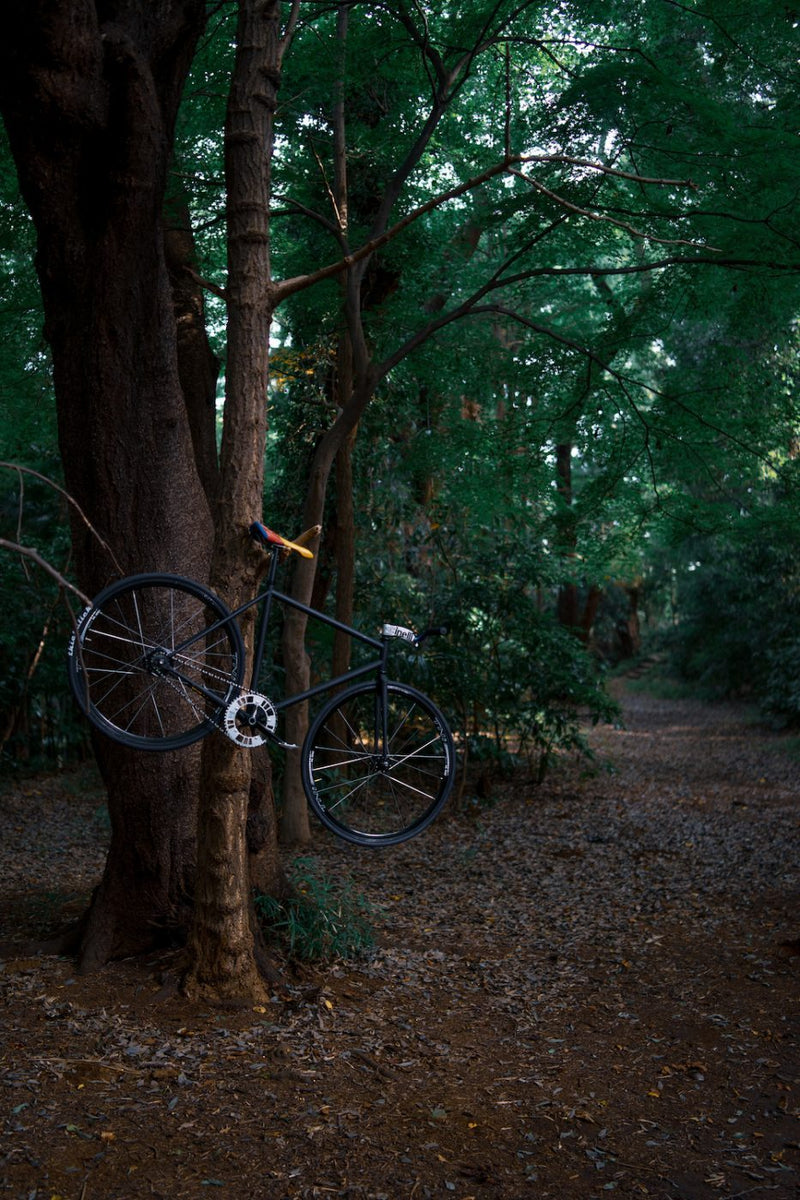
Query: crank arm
[{"x": 273, "y": 737}]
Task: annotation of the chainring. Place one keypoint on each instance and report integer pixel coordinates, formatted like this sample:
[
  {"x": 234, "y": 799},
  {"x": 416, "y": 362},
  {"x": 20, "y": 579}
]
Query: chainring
[{"x": 249, "y": 720}]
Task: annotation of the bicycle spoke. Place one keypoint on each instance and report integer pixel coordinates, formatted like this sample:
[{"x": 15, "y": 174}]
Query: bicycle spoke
[
  {"x": 372, "y": 793},
  {"x": 404, "y": 783},
  {"x": 356, "y": 786},
  {"x": 129, "y": 677},
  {"x": 416, "y": 754}
]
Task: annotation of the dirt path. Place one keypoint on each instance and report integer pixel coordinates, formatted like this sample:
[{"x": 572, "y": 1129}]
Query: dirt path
[{"x": 584, "y": 989}]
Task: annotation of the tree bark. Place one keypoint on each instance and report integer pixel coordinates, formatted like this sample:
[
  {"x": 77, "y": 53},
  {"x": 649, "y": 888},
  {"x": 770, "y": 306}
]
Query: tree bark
[
  {"x": 198, "y": 366},
  {"x": 89, "y": 101},
  {"x": 295, "y": 828},
  {"x": 223, "y": 956}
]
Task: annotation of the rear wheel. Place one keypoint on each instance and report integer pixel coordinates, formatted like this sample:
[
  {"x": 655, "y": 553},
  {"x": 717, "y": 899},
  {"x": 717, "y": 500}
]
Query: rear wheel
[
  {"x": 378, "y": 776},
  {"x": 155, "y": 661}
]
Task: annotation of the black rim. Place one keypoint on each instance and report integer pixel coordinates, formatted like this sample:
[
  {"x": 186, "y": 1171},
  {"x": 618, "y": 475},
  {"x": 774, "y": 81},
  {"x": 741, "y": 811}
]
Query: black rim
[
  {"x": 144, "y": 668},
  {"x": 375, "y": 794}
]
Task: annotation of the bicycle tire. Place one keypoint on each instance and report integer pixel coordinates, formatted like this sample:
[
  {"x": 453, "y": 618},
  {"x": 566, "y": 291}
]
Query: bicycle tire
[
  {"x": 367, "y": 798},
  {"x": 144, "y": 671}
]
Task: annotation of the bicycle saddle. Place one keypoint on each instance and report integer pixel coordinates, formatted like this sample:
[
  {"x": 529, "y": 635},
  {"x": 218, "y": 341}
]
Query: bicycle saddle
[{"x": 269, "y": 538}]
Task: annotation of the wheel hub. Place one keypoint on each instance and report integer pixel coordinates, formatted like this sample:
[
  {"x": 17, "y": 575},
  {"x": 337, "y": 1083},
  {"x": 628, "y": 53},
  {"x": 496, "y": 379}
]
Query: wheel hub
[{"x": 157, "y": 662}]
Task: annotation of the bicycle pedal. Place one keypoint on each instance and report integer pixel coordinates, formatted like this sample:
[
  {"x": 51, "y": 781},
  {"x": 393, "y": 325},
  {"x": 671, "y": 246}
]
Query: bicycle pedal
[{"x": 283, "y": 745}]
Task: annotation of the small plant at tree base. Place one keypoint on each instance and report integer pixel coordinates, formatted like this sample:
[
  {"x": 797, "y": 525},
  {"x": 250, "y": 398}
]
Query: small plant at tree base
[{"x": 321, "y": 920}]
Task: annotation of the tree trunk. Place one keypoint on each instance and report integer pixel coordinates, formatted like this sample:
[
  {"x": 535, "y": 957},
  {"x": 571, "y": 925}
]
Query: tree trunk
[
  {"x": 144, "y": 897},
  {"x": 223, "y": 957},
  {"x": 198, "y": 367},
  {"x": 295, "y": 828},
  {"x": 366, "y": 373},
  {"x": 89, "y": 105},
  {"x": 294, "y": 820},
  {"x": 578, "y": 619},
  {"x": 345, "y": 554},
  {"x": 567, "y": 603}
]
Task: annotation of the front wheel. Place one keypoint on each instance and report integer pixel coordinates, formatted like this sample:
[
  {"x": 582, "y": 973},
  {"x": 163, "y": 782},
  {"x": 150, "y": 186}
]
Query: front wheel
[
  {"x": 155, "y": 661},
  {"x": 378, "y": 775}
]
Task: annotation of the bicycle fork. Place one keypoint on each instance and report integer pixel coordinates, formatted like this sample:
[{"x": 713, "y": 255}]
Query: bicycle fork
[{"x": 381, "y": 718}]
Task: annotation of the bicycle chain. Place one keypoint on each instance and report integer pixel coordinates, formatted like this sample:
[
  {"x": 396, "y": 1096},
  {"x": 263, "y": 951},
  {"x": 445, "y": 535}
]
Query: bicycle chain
[
  {"x": 211, "y": 675},
  {"x": 227, "y": 719}
]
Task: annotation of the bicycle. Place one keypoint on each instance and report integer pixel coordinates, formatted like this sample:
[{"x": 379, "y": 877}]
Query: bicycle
[{"x": 157, "y": 661}]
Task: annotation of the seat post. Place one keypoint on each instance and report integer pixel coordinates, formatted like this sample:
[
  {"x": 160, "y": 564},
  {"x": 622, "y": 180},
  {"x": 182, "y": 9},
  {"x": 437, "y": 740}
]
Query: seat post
[{"x": 263, "y": 620}]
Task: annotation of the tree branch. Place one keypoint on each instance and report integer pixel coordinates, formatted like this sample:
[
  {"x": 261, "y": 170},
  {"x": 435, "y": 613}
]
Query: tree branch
[
  {"x": 624, "y": 380},
  {"x": 35, "y": 556},
  {"x": 289, "y": 287},
  {"x": 70, "y": 500},
  {"x": 600, "y": 216}
]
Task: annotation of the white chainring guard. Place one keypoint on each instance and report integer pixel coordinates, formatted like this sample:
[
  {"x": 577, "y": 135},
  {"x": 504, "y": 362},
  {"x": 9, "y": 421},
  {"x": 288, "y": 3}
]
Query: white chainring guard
[{"x": 259, "y": 733}]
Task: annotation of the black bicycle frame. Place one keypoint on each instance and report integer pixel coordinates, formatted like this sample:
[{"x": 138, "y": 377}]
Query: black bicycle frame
[
  {"x": 265, "y": 598},
  {"x": 377, "y": 665}
]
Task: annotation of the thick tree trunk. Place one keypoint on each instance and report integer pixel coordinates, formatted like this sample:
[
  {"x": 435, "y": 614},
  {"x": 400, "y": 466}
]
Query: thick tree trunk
[
  {"x": 198, "y": 367},
  {"x": 89, "y": 104},
  {"x": 89, "y": 101},
  {"x": 145, "y": 894}
]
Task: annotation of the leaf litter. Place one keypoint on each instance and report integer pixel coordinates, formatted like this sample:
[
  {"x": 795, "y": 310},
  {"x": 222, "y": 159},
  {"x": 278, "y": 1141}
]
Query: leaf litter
[{"x": 588, "y": 987}]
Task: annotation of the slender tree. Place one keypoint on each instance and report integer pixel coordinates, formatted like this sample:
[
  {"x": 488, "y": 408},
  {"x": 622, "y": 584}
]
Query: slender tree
[{"x": 223, "y": 943}]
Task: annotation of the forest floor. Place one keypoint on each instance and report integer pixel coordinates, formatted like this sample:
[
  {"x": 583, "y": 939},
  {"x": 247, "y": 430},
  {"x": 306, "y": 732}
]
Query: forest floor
[{"x": 583, "y": 988}]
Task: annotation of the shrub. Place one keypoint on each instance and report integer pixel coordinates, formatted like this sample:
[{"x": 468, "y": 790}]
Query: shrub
[
  {"x": 320, "y": 920},
  {"x": 739, "y": 614}
]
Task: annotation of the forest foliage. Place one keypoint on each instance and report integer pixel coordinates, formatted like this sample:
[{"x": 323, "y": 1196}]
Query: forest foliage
[{"x": 585, "y": 409}]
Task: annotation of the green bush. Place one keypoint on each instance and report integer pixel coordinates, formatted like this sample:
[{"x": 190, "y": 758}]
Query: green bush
[
  {"x": 513, "y": 683},
  {"x": 321, "y": 920},
  {"x": 510, "y": 672},
  {"x": 781, "y": 691},
  {"x": 739, "y": 612}
]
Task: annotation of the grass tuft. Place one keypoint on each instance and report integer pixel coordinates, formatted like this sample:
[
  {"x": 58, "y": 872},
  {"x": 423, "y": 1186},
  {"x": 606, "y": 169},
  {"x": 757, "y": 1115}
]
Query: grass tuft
[{"x": 322, "y": 920}]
